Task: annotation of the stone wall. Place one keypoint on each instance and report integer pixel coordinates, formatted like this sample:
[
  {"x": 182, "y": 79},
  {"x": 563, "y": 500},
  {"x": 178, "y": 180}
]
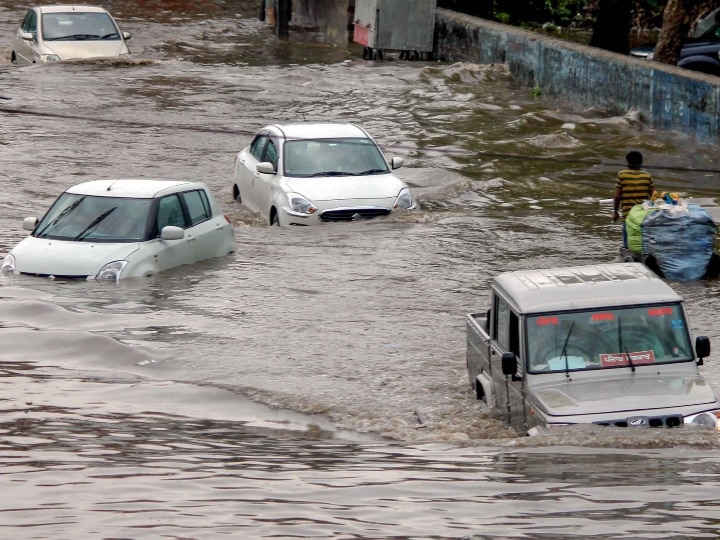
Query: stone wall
[{"x": 666, "y": 97}]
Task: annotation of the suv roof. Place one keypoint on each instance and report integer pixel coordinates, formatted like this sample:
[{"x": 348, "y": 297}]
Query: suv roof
[{"x": 583, "y": 287}]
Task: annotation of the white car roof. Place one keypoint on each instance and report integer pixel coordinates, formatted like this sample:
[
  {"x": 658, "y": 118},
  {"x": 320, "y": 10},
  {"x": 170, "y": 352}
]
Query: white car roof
[
  {"x": 134, "y": 188},
  {"x": 319, "y": 130},
  {"x": 70, "y": 7},
  {"x": 583, "y": 287}
]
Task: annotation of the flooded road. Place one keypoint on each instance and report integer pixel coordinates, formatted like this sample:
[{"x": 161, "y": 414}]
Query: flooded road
[{"x": 313, "y": 384}]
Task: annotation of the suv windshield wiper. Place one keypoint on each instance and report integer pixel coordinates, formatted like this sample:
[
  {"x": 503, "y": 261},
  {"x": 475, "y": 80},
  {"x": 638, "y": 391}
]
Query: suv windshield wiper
[
  {"x": 622, "y": 346},
  {"x": 94, "y": 223},
  {"x": 372, "y": 171},
  {"x": 60, "y": 216},
  {"x": 564, "y": 351}
]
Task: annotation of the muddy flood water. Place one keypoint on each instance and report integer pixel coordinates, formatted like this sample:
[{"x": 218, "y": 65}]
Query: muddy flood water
[{"x": 313, "y": 384}]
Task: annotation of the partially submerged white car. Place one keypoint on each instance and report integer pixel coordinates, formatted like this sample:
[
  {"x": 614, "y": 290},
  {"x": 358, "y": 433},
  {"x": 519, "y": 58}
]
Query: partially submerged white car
[
  {"x": 67, "y": 32},
  {"x": 606, "y": 344},
  {"x": 310, "y": 173},
  {"x": 115, "y": 229}
]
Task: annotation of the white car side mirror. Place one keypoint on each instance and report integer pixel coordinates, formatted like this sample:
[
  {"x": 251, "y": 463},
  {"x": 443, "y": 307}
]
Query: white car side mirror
[
  {"x": 126, "y": 35},
  {"x": 27, "y": 36},
  {"x": 396, "y": 163},
  {"x": 266, "y": 167},
  {"x": 171, "y": 232},
  {"x": 29, "y": 223}
]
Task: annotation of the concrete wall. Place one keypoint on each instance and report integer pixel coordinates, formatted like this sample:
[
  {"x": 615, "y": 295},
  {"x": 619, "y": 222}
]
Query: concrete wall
[{"x": 666, "y": 97}]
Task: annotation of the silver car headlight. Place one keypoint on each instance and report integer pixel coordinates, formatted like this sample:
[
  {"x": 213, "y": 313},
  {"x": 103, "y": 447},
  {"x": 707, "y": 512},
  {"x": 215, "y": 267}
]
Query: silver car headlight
[
  {"x": 49, "y": 58},
  {"x": 404, "y": 199},
  {"x": 111, "y": 271},
  {"x": 300, "y": 204},
  {"x": 8, "y": 265},
  {"x": 705, "y": 419}
]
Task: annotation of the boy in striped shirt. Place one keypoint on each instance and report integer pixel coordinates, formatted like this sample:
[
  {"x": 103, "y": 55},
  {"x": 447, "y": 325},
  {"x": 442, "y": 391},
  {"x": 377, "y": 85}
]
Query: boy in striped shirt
[{"x": 633, "y": 186}]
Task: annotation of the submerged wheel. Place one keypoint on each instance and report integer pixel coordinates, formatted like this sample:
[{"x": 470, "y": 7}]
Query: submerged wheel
[
  {"x": 236, "y": 194},
  {"x": 274, "y": 218}
]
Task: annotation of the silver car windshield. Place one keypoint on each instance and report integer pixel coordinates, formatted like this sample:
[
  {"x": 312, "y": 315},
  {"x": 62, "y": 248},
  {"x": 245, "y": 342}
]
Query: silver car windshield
[
  {"x": 332, "y": 157},
  {"x": 78, "y": 26},
  {"x": 607, "y": 338},
  {"x": 84, "y": 218}
]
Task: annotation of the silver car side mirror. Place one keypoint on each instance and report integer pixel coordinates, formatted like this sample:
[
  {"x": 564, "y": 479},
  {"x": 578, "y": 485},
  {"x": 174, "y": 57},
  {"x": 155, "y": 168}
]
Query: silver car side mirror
[{"x": 396, "y": 163}]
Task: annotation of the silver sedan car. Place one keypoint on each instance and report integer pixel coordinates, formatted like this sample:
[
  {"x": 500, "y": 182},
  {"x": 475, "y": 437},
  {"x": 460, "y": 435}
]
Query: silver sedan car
[
  {"x": 310, "y": 173},
  {"x": 67, "y": 32}
]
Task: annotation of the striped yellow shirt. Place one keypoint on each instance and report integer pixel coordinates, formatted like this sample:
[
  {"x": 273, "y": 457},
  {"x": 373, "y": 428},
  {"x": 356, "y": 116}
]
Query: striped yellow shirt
[{"x": 635, "y": 186}]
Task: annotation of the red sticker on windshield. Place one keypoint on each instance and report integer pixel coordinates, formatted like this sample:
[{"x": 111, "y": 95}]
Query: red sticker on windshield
[
  {"x": 659, "y": 312},
  {"x": 545, "y": 321}
]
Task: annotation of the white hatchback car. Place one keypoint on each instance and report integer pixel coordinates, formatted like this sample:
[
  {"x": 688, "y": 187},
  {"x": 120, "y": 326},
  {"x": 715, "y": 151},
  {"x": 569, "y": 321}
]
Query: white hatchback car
[
  {"x": 67, "y": 32},
  {"x": 115, "y": 229},
  {"x": 309, "y": 173}
]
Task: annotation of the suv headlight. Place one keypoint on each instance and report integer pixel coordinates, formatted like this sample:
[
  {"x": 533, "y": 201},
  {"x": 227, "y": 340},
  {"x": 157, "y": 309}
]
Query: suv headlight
[
  {"x": 705, "y": 419},
  {"x": 404, "y": 199},
  {"x": 49, "y": 58},
  {"x": 8, "y": 265},
  {"x": 111, "y": 271},
  {"x": 300, "y": 204}
]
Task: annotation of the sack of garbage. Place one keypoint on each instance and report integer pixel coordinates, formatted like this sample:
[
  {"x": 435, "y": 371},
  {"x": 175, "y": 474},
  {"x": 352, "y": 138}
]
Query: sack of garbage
[{"x": 681, "y": 238}]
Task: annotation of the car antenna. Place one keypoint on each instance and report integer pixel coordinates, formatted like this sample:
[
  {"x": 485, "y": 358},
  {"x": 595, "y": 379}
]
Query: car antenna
[{"x": 111, "y": 185}]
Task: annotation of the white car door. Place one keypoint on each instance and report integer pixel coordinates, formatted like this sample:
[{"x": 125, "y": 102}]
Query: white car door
[
  {"x": 207, "y": 236},
  {"x": 24, "y": 52},
  {"x": 265, "y": 183},
  {"x": 172, "y": 253},
  {"x": 246, "y": 171}
]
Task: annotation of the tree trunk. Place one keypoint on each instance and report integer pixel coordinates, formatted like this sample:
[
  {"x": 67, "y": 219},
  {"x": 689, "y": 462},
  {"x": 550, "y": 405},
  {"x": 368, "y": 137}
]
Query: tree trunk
[
  {"x": 612, "y": 26},
  {"x": 674, "y": 32}
]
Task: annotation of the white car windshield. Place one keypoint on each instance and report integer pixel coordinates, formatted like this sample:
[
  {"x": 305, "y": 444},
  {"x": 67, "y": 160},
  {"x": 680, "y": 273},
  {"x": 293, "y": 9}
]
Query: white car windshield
[
  {"x": 607, "y": 338},
  {"x": 78, "y": 26},
  {"x": 333, "y": 157},
  {"x": 85, "y": 218}
]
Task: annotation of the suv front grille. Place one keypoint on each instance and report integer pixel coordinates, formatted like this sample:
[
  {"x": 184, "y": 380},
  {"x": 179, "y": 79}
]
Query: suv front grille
[
  {"x": 352, "y": 214},
  {"x": 672, "y": 420}
]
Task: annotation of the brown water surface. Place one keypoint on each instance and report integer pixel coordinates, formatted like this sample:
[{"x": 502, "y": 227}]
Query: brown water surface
[{"x": 278, "y": 392}]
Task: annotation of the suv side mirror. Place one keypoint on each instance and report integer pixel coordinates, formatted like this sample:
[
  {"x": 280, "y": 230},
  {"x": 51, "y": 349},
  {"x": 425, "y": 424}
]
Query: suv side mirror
[
  {"x": 509, "y": 364},
  {"x": 702, "y": 348}
]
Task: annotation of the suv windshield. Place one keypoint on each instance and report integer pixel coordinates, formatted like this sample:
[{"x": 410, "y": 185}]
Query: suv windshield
[
  {"x": 607, "y": 338},
  {"x": 97, "y": 219}
]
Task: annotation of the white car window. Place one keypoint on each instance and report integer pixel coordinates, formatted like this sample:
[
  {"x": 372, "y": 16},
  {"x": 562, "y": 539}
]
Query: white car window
[
  {"x": 29, "y": 23},
  {"x": 271, "y": 153},
  {"x": 198, "y": 206},
  {"x": 257, "y": 146},
  {"x": 170, "y": 212}
]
